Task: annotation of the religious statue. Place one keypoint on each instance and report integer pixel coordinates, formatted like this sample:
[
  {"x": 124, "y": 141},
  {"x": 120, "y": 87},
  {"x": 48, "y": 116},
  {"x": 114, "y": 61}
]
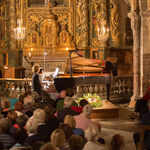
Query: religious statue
[{"x": 64, "y": 38}]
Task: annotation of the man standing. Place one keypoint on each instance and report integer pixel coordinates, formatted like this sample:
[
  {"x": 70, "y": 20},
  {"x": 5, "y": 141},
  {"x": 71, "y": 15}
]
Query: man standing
[{"x": 36, "y": 84}]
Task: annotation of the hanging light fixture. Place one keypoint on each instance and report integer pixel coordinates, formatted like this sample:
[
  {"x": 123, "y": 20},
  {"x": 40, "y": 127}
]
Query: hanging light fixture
[{"x": 19, "y": 31}]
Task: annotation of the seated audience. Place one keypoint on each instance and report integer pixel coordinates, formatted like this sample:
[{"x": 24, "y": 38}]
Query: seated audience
[
  {"x": 13, "y": 98},
  {"x": 91, "y": 137},
  {"x": 18, "y": 107},
  {"x": 145, "y": 120},
  {"x": 83, "y": 120},
  {"x": 5, "y": 137},
  {"x": 117, "y": 142},
  {"x": 71, "y": 122},
  {"x": 58, "y": 139},
  {"x": 76, "y": 142},
  {"x": 67, "y": 109}
]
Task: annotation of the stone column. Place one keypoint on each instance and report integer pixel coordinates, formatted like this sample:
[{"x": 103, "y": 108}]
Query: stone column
[
  {"x": 85, "y": 27},
  {"x": 136, "y": 26},
  {"x": 12, "y": 24}
]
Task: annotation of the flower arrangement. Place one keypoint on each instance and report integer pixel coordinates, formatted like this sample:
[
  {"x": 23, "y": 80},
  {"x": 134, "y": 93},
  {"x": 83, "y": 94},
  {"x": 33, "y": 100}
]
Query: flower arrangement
[{"x": 93, "y": 99}]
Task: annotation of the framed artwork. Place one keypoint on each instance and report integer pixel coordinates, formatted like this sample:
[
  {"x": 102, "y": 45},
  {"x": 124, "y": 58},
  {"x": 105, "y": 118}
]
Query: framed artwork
[
  {"x": 2, "y": 23},
  {"x": 95, "y": 55}
]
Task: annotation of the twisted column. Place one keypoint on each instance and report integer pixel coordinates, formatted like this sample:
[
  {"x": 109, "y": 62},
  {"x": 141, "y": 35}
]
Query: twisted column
[
  {"x": 114, "y": 23},
  {"x": 12, "y": 24},
  {"x": 84, "y": 24}
]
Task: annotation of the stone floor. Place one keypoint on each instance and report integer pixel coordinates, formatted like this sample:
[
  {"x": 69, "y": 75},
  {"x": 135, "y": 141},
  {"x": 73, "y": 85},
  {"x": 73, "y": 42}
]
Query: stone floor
[{"x": 122, "y": 125}]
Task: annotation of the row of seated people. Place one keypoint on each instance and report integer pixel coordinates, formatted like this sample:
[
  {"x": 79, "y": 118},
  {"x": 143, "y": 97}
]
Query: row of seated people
[{"x": 38, "y": 123}]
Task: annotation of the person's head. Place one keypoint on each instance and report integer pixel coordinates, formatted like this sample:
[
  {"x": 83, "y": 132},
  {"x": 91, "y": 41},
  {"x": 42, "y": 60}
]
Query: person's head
[
  {"x": 83, "y": 102},
  {"x": 20, "y": 135},
  {"x": 76, "y": 142},
  {"x": 21, "y": 120},
  {"x": 5, "y": 125},
  {"x": 69, "y": 92},
  {"x": 68, "y": 102},
  {"x": 5, "y": 103},
  {"x": 49, "y": 111},
  {"x": 35, "y": 95},
  {"x": 67, "y": 130},
  {"x": 39, "y": 115},
  {"x": 87, "y": 110},
  {"x": 49, "y": 146},
  {"x": 58, "y": 137},
  {"x": 36, "y": 69},
  {"x": 13, "y": 94},
  {"x": 31, "y": 126},
  {"x": 117, "y": 142},
  {"x": 37, "y": 145},
  {"x": 62, "y": 94},
  {"x": 70, "y": 121},
  {"x": 12, "y": 116},
  {"x": 91, "y": 133},
  {"x": 18, "y": 106},
  {"x": 28, "y": 100}
]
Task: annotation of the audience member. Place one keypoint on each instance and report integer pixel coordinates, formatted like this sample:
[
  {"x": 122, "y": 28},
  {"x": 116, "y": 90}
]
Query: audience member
[
  {"x": 31, "y": 127},
  {"x": 12, "y": 116},
  {"x": 5, "y": 137},
  {"x": 37, "y": 145},
  {"x": 91, "y": 137},
  {"x": 83, "y": 120},
  {"x": 76, "y": 142},
  {"x": 71, "y": 122},
  {"x": 67, "y": 109},
  {"x": 117, "y": 142},
  {"x": 58, "y": 139},
  {"x": 5, "y": 106},
  {"x": 13, "y": 98},
  {"x": 18, "y": 108},
  {"x": 67, "y": 130}
]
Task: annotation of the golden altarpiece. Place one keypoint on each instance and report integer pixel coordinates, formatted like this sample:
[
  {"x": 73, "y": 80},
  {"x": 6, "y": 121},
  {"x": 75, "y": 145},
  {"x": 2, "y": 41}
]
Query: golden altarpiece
[{"x": 53, "y": 27}]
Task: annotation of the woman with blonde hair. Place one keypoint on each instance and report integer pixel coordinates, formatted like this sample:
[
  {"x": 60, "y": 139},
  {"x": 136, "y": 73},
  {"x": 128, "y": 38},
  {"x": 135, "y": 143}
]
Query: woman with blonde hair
[
  {"x": 36, "y": 84},
  {"x": 13, "y": 98},
  {"x": 71, "y": 122},
  {"x": 58, "y": 139}
]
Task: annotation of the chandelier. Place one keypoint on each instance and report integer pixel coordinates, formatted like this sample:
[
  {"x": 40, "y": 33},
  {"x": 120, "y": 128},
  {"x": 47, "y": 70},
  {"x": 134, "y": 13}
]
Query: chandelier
[
  {"x": 103, "y": 33},
  {"x": 19, "y": 31}
]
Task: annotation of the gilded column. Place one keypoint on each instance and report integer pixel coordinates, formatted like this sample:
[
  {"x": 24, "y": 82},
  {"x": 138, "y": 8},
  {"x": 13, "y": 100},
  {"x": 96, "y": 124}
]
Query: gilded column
[
  {"x": 136, "y": 27},
  {"x": 12, "y": 23},
  {"x": 84, "y": 25},
  {"x": 114, "y": 23}
]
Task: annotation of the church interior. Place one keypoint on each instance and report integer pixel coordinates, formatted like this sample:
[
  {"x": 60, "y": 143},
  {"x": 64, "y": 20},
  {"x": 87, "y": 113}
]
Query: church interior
[{"x": 98, "y": 48}]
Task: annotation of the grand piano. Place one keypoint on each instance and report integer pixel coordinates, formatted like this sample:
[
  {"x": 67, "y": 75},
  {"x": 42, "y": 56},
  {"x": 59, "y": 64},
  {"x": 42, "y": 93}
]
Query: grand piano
[{"x": 85, "y": 71}]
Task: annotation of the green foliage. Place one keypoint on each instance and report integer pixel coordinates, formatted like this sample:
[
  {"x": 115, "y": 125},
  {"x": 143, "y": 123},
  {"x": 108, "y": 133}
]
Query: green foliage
[{"x": 93, "y": 99}]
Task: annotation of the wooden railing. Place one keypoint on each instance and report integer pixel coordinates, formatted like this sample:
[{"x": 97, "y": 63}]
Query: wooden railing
[{"x": 121, "y": 87}]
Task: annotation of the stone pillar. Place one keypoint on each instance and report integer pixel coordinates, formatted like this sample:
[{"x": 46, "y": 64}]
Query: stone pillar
[
  {"x": 85, "y": 28},
  {"x": 12, "y": 24},
  {"x": 136, "y": 26}
]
